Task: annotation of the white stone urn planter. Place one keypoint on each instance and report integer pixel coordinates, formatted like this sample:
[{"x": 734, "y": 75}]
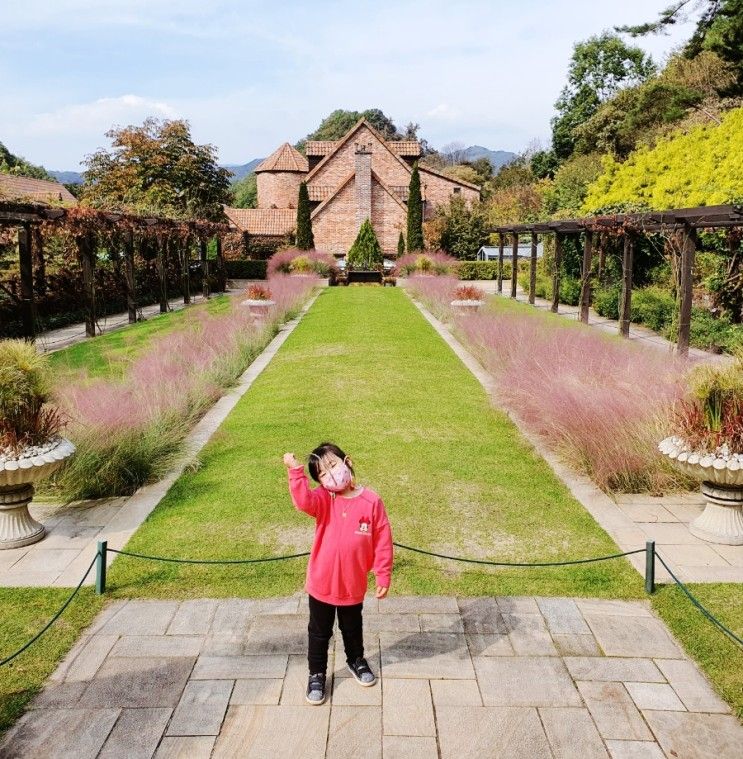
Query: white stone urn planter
[
  {"x": 722, "y": 487},
  {"x": 258, "y": 308},
  {"x": 17, "y": 477},
  {"x": 466, "y": 306}
]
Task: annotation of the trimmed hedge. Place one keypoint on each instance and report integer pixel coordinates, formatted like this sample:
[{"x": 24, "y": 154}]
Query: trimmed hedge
[
  {"x": 482, "y": 270},
  {"x": 246, "y": 269}
]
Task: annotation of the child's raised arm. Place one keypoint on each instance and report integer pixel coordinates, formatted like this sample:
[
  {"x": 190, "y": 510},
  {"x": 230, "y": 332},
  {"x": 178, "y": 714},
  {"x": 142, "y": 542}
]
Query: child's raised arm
[{"x": 303, "y": 497}]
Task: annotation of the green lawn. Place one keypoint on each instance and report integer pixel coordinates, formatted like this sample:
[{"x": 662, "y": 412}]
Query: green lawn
[
  {"x": 364, "y": 369},
  {"x": 23, "y": 612},
  {"x": 108, "y": 354}
]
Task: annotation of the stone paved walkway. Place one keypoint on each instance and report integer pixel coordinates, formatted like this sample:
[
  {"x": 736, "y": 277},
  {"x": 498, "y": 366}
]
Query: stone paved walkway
[
  {"x": 468, "y": 677},
  {"x": 666, "y": 521}
]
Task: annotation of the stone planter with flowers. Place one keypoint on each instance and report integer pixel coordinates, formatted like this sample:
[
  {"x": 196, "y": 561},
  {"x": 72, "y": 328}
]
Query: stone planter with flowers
[
  {"x": 258, "y": 300},
  {"x": 31, "y": 446},
  {"x": 708, "y": 446},
  {"x": 467, "y": 299}
]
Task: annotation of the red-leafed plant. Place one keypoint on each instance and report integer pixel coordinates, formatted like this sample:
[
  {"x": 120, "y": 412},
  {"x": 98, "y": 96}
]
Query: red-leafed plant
[
  {"x": 469, "y": 292},
  {"x": 258, "y": 292}
]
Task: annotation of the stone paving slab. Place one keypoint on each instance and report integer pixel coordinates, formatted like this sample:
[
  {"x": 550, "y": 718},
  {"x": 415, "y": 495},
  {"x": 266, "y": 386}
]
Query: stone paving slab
[{"x": 143, "y": 682}]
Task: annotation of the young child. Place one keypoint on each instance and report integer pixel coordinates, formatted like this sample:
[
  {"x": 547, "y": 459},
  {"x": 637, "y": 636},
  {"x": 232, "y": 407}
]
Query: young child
[{"x": 352, "y": 537}]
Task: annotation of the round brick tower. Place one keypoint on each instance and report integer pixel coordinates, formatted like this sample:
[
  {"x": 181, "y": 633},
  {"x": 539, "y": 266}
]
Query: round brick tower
[{"x": 279, "y": 177}]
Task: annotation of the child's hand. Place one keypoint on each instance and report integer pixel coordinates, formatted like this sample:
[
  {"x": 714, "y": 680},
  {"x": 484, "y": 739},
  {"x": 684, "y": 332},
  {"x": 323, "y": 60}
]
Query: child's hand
[
  {"x": 381, "y": 592},
  {"x": 290, "y": 460}
]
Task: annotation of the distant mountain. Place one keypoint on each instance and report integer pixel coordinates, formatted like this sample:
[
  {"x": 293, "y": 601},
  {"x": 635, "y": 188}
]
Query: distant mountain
[
  {"x": 67, "y": 177},
  {"x": 496, "y": 157},
  {"x": 75, "y": 177},
  {"x": 244, "y": 169}
]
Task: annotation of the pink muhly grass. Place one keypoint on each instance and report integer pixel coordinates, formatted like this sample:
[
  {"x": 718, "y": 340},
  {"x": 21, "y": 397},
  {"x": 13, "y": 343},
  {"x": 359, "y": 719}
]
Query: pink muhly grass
[
  {"x": 166, "y": 387},
  {"x": 602, "y": 403},
  {"x": 435, "y": 262},
  {"x": 281, "y": 262}
]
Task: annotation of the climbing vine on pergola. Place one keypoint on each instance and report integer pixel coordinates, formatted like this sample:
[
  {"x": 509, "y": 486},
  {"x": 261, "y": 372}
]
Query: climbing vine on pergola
[
  {"x": 590, "y": 235},
  {"x": 167, "y": 240}
]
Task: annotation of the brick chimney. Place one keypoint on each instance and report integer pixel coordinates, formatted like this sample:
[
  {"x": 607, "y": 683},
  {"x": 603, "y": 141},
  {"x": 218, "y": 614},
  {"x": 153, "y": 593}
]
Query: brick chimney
[{"x": 363, "y": 183}]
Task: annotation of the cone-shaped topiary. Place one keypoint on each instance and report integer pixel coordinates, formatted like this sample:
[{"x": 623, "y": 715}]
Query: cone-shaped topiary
[
  {"x": 415, "y": 212},
  {"x": 401, "y": 245},
  {"x": 305, "y": 238},
  {"x": 365, "y": 253}
]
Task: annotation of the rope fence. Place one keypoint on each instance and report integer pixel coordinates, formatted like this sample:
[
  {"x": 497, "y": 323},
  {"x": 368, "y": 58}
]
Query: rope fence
[{"x": 99, "y": 561}]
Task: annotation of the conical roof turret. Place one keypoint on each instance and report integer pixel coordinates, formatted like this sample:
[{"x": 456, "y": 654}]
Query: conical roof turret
[{"x": 284, "y": 158}]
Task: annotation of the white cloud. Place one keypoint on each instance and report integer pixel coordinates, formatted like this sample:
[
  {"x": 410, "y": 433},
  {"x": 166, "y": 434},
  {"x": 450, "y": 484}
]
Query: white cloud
[
  {"x": 97, "y": 117},
  {"x": 443, "y": 112}
]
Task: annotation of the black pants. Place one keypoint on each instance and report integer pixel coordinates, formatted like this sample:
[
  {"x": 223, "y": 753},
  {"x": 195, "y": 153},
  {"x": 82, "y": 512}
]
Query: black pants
[{"x": 320, "y": 630}]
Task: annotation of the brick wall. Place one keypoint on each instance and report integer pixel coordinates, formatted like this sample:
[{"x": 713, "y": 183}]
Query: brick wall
[
  {"x": 279, "y": 189},
  {"x": 334, "y": 227},
  {"x": 388, "y": 219},
  {"x": 344, "y": 162},
  {"x": 438, "y": 190}
]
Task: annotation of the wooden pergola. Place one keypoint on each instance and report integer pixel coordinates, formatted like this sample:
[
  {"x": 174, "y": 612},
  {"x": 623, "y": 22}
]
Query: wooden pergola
[
  {"x": 589, "y": 235},
  {"x": 172, "y": 237}
]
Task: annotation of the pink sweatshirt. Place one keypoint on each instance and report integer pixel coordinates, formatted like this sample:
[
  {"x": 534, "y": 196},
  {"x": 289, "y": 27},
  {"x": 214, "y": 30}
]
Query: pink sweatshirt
[{"x": 346, "y": 548}]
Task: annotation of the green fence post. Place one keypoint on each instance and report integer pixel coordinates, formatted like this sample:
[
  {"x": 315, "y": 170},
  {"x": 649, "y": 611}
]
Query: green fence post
[
  {"x": 100, "y": 568},
  {"x": 650, "y": 566}
]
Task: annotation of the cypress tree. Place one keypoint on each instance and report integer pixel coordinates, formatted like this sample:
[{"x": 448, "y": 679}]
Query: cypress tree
[
  {"x": 305, "y": 239},
  {"x": 401, "y": 245},
  {"x": 415, "y": 212},
  {"x": 366, "y": 252}
]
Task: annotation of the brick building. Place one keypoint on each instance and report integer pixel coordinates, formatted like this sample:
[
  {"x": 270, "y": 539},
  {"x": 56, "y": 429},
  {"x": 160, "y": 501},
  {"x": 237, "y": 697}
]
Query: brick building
[{"x": 349, "y": 180}]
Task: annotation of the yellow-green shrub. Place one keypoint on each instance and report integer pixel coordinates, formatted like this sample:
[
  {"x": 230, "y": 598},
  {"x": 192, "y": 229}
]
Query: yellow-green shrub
[{"x": 701, "y": 167}]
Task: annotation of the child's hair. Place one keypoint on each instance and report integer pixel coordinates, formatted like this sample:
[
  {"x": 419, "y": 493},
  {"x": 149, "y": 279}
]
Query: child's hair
[{"x": 319, "y": 453}]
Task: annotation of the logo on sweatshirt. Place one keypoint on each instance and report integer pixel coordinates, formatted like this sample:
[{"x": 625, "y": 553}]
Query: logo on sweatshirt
[{"x": 364, "y": 525}]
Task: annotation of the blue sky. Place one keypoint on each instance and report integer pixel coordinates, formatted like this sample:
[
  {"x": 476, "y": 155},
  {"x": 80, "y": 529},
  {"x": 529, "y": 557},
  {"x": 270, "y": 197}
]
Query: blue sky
[{"x": 250, "y": 75}]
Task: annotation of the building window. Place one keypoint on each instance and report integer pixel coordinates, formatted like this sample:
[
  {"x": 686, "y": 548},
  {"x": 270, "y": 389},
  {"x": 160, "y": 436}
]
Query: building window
[{"x": 457, "y": 190}]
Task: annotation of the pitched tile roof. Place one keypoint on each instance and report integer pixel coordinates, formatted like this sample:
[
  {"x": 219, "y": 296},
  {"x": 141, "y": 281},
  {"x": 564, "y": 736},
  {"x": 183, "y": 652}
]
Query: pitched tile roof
[
  {"x": 40, "y": 190},
  {"x": 271, "y": 222},
  {"x": 284, "y": 158},
  {"x": 320, "y": 147},
  {"x": 398, "y": 147},
  {"x": 404, "y": 147}
]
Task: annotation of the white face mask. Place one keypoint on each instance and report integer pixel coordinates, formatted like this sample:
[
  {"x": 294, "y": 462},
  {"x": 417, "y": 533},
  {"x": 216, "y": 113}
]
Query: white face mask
[{"x": 336, "y": 476}]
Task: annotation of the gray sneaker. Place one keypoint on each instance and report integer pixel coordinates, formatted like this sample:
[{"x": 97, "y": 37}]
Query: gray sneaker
[
  {"x": 362, "y": 672},
  {"x": 316, "y": 689}
]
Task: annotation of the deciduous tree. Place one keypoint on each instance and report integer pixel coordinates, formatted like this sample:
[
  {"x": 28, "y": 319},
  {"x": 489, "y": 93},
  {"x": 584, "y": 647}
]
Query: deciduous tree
[{"x": 157, "y": 168}]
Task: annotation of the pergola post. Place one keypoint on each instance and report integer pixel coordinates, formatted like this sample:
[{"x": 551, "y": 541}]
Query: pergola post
[
  {"x": 162, "y": 252},
  {"x": 625, "y": 309},
  {"x": 501, "y": 246},
  {"x": 585, "y": 290},
  {"x": 556, "y": 273},
  {"x": 221, "y": 271},
  {"x": 601, "y": 242},
  {"x": 25, "y": 261},
  {"x": 204, "y": 268},
  {"x": 514, "y": 262},
  {"x": 86, "y": 251},
  {"x": 37, "y": 253},
  {"x": 184, "y": 247},
  {"x": 129, "y": 279},
  {"x": 688, "y": 251},
  {"x": 533, "y": 269}
]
